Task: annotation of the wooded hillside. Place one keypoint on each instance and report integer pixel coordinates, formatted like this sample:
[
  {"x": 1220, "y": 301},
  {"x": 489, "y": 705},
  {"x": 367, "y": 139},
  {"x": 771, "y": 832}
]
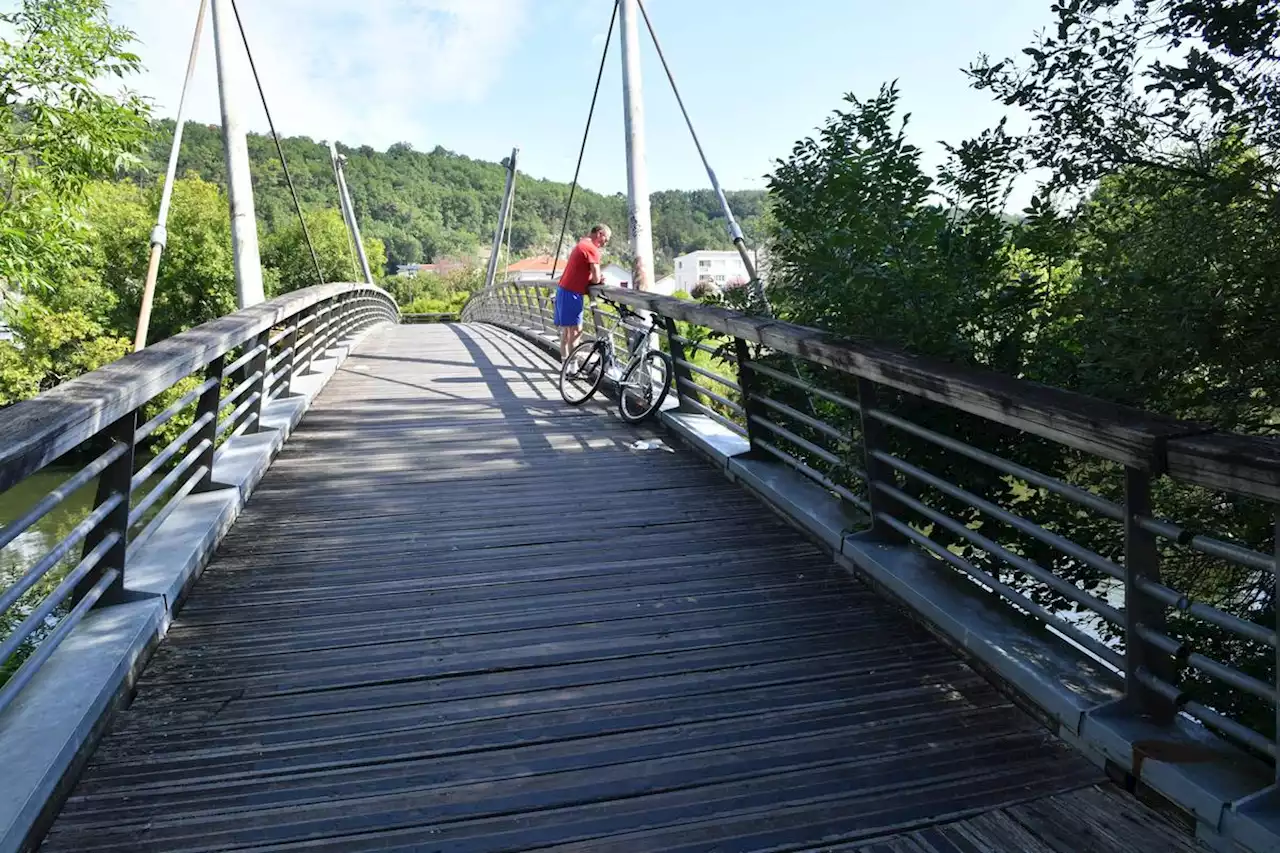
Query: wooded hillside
[{"x": 428, "y": 205}]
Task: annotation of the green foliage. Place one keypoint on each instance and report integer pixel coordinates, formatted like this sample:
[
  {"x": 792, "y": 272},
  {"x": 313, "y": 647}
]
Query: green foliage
[
  {"x": 1177, "y": 298},
  {"x": 860, "y": 247},
  {"x": 430, "y": 293},
  {"x": 197, "y": 276},
  {"x": 436, "y": 205},
  {"x": 285, "y": 251},
  {"x": 1099, "y": 103},
  {"x": 58, "y": 129},
  {"x": 51, "y": 346}
]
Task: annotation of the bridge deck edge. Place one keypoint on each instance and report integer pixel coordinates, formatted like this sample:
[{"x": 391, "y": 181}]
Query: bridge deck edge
[{"x": 49, "y": 734}]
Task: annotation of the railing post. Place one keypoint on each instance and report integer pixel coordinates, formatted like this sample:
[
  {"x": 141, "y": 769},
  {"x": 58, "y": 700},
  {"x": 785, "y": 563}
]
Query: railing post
[
  {"x": 117, "y": 479},
  {"x": 540, "y": 295},
  {"x": 290, "y": 345},
  {"x": 504, "y": 304},
  {"x": 875, "y": 439},
  {"x": 745, "y": 381},
  {"x": 308, "y": 319},
  {"x": 324, "y": 318},
  {"x": 522, "y": 307},
  {"x": 209, "y": 404},
  {"x": 531, "y": 313},
  {"x": 596, "y": 330},
  {"x": 1141, "y": 611},
  {"x": 678, "y": 356},
  {"x": 258, "y": 365}
]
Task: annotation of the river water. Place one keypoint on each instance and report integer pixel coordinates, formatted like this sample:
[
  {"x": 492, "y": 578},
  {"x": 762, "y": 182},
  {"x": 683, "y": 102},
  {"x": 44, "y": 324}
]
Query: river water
[{"x": 20, "y": 555}]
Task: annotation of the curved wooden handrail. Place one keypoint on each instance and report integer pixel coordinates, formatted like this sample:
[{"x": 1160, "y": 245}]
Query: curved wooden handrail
[
  {"x": 37, "y": 431},
  {"x": 1191, "y": 452}
]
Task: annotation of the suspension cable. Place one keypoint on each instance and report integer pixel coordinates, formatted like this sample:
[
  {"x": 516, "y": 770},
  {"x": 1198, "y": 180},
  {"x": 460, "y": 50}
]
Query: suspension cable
[
  {"x": 160, "y": 234},
  {"x": 511, "y": 218},
  {"x": 585, "y": 133},
  {"x": 297, "y": 205},
  {"x": 735, "y": 230}
]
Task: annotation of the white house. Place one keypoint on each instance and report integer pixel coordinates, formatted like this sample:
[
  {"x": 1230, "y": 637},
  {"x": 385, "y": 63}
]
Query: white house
[
  {"x": 665, "y": 285},
  {"x": 615, "y": 275},
  {"x": 722, "y": 268}
]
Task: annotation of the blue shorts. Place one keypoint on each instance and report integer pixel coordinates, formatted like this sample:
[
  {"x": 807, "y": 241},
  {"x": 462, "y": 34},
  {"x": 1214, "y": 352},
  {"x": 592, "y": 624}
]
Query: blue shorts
[{"x": 568, "y": 308}]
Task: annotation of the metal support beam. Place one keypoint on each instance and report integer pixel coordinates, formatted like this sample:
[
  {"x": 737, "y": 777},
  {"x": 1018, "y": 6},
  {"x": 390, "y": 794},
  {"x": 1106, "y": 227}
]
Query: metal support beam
[
  {"x": 159, "y": 234},
  {"x": 349, "y": 211},
  {"x": 503, "y": 213},
  {"x": 115, "y": 481},
  {"x": 1141, "y": 612},
  {"x": 874, "y": 438},
  {"x": 641, "y": 224},
  {"x": 244, "y": 224}
]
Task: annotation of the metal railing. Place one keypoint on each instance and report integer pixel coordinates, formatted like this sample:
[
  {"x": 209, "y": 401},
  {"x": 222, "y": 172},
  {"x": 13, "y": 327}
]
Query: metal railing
[
  {"x": 142, "y": 433},
  {"x": 1054, "y": 501}
]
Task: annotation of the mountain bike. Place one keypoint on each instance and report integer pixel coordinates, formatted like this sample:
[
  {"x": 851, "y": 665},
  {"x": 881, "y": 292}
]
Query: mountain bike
[{"x": 643, "y": 382}]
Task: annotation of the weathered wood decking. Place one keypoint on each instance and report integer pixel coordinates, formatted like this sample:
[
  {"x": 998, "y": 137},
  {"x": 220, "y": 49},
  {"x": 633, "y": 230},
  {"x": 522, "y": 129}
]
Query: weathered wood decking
[{"x": 459, "y": 615}]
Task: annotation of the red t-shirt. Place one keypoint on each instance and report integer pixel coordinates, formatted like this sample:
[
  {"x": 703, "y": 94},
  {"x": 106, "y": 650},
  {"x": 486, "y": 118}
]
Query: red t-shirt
[{"x": 577, "y": 272}]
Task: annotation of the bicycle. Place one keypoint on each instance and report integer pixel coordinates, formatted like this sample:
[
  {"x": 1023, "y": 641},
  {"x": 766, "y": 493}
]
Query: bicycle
[{"x": 643, "y": 382}]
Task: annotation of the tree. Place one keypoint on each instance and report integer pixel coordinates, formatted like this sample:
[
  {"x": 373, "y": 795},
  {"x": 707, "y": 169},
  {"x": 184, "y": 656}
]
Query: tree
[
  {"x": 50, "y": 347},
  {"x": 1099, "y": 103},
  {"x": 286, "y": 252},
  {"x": 197, "y": 275},
  {"x": 58, "y": 130},
  {"x": 861, "y": 247}
]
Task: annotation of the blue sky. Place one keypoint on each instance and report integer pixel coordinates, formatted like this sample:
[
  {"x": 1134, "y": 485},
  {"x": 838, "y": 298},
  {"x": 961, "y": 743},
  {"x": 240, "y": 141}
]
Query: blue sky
[{"x": 479, "y": 76}]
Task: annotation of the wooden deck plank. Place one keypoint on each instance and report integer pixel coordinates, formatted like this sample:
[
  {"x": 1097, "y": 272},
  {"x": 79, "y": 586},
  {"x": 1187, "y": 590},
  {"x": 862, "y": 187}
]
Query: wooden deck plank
[{"x": 460, "y": 615}]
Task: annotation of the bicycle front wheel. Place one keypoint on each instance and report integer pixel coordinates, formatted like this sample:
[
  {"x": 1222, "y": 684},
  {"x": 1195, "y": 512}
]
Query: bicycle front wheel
[
  {"x": 582, "y": 372},
  {"x": 644, "y": 387}
]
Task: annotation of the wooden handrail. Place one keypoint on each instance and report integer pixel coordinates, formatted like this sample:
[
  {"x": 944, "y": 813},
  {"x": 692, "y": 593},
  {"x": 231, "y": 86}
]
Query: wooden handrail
[
  {"x": 1192, "y": 452},
  {"x": 37, "y": 431}
]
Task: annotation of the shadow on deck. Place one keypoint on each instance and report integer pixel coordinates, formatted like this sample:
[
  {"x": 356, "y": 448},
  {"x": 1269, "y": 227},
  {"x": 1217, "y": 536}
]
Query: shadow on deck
[{"x": 460, "y": 615}]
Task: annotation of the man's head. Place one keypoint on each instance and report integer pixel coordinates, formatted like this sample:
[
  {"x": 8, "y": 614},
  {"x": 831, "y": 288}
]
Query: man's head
[{"x": 600, "y": 236}]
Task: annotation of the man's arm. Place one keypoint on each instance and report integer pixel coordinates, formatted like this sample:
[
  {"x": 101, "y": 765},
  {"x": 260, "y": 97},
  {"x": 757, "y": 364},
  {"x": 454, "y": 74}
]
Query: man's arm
[{"x": 595, "y": 276}]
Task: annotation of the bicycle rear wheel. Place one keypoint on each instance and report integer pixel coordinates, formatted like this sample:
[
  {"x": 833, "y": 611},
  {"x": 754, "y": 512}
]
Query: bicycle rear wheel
[
  {"x": 643, "y": 388},
  {"x": 582, "y": 372}
]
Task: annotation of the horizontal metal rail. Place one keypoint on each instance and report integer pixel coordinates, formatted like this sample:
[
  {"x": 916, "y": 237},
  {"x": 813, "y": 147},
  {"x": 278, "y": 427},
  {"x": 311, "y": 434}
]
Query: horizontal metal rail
[
  {"x": 731, "y": 405},
  {"x": 172, "y": 411},
  {"x": 250, "y": 355},
  {"x": 710, "y": 374},
  {"x": 1067, "y": 590},
  {"x": 800, "y": 417},
  {"x": 820, "y": 452},
  {"x": 167, "y": 482},
  {"x": 1098, "y": 649},
  {"x": 808, "y": 387},
  {"x": 36, "y": 573},
  {"x": 1085, "y": 498},
  {"x": 1017, "y": 522},
  {"x": 52, "y": 500},
  {"x": 817, "y": 476},
  {"x": 162, "y": 458},
  {"x": 11, "y": 688},
  {"x": 704, "y": 409}
]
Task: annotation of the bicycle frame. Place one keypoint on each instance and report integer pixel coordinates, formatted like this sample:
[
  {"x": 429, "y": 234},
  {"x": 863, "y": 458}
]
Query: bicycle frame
[{"x": 635, "y": 351}]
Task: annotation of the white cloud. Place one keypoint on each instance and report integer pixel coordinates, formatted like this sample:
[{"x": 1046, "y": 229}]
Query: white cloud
[{"x": 364, "y": 72}]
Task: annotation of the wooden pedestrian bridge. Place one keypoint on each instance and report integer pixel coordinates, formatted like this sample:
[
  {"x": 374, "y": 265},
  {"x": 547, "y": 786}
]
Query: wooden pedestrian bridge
[{"x": 346, "y": 584}]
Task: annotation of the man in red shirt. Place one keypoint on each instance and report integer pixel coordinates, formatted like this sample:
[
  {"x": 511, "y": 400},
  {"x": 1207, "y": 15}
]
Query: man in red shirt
[{"x": 580, "y": 272}]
